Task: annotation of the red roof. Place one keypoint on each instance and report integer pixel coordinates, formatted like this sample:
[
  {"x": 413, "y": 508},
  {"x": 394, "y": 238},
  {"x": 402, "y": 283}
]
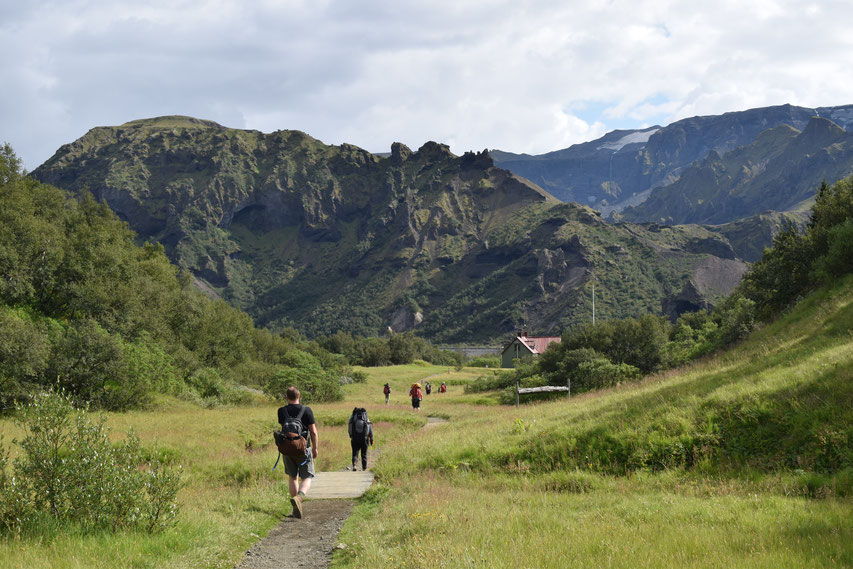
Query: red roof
[{"x": 536, "y": 344}]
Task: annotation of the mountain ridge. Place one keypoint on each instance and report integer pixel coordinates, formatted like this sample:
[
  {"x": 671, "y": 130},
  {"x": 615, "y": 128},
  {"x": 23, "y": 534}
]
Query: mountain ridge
[
  {"x": 609, "y": 180},
  {"x": 778, "y": 171},
  {"x": 331, "y": 238}
]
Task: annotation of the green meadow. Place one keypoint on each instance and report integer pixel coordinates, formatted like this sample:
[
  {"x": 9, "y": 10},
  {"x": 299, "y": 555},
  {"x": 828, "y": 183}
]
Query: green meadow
[{"x": 744, "y": 459}]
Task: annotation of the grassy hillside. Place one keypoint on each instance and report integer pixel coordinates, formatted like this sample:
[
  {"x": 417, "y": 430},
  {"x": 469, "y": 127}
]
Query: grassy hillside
[
  {"x": 781, "y": 401},
  {"x": 744, "y": 460}
]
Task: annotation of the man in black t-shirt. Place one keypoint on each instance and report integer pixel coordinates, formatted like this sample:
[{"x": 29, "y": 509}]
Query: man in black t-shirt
[{"x": 300, "y": 474}]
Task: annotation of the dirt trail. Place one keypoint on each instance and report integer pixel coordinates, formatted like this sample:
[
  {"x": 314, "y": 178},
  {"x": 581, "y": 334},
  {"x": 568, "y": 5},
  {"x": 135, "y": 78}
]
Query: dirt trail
[
  {"x": 301, "y": 544},
  {"x": 309, "y": 543}
]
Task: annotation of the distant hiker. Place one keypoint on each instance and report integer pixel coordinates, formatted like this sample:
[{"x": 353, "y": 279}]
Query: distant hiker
[
  {"x": 416, "y": 394},
  {"x": 360, "y": 435},
  {"x": 443, "y": 388},
  {"x": 428, "y": 388},
  {"x": 298, "y": 420},
  {"x": 387, "y": 391}
]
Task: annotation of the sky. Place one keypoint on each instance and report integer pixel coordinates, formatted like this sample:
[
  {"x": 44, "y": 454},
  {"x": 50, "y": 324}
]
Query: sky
[{"x": 519, "y": 75}]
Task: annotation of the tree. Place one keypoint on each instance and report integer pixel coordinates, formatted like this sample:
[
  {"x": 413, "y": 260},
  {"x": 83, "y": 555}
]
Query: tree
[
  {"x": 10, "y": 165},
  {"x": 403, "y": 348}
]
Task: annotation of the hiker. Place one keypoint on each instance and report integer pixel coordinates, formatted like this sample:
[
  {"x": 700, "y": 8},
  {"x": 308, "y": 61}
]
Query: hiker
[
  {"x": 360, "y": 435},
  {"x": 416, "y": 395},
  {"x": 387, "y": 391},
  {"x": 300, "y": 472},
  {"x": 443, "y": 388},
  {"x": 428, "y": 387}
]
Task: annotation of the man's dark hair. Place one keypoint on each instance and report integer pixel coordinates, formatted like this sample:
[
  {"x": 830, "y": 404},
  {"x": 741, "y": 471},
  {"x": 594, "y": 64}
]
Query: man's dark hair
[{"x": 293, "y": 393}]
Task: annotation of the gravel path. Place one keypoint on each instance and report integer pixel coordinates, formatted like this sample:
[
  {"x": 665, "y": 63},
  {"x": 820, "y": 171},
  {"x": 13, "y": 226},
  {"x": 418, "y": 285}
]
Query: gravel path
[{"x": 308, "y": 543}]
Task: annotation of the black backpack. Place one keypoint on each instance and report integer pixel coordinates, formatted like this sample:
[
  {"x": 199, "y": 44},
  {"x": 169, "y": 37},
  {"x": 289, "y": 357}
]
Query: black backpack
[
  {"x": 361, "y": 424},
  {"x": 291, "y": 440}
]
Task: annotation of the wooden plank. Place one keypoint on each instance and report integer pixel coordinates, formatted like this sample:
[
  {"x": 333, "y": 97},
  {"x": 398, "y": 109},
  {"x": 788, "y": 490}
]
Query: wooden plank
[
  {"x": 344, "y": 484},
  {"x": 543, "y": 389}
]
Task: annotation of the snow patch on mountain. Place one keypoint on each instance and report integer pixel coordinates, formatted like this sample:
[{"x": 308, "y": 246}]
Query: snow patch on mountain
[{"x": 633, "y": 138}]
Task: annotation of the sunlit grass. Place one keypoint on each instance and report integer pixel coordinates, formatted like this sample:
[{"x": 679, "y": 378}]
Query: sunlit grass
[
  {"x": 500, "y": 487},
  {"x": 434, "y": 522}
]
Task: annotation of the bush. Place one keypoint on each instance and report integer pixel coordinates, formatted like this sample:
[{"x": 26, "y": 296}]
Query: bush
[
  {"x": 69, "y": 471},
  {"x": 148, "y": 368},
  {"x": 601, "y": 373},
  {"x": 490, "y": 382},
  {"x": 738, "y": 320},
  {"x": 212, "y": 389},
  {"x": 24, "y": 352},
  {"x": 838, "y": 260},
  {"x": 485, "y": 361},
  {"x": 315, "y": 384}
]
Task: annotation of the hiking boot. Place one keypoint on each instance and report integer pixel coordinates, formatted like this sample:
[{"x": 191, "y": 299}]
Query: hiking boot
[{"x": 296, "y": 502}]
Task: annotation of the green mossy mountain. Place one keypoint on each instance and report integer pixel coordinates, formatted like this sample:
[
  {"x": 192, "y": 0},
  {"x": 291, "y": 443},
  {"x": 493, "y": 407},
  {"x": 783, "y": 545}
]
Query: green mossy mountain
[
  {"x": 778, "y": 171},
  {"x": 329, "y": 238}
]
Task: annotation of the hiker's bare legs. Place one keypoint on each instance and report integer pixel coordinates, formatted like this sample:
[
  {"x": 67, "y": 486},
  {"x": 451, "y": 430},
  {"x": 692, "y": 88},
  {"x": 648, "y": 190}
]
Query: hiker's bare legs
[{"x": 302, "y": 485}]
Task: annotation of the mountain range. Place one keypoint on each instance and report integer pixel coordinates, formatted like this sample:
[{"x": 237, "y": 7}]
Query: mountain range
[
  {"x": 327, "y": 238},
  {"x": 622, "y": 168}
]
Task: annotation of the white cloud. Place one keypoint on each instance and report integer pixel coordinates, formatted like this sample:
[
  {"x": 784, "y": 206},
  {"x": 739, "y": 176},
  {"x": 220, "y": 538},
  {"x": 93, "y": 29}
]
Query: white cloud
[{"x": 525, "y": 76}]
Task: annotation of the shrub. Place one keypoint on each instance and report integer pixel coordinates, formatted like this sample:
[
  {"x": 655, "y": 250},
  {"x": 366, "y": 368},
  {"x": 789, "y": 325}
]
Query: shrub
[
  {"x": 212, "y": 389},
  {"x": 601, "y": 373},
  {"x": 490, "y": 382},
  {"x": 69, "y": 471},
  {"x": 485, "y": 361},
  {"x": 315, "y": 384},
  {"x": 838, "y": 260},
  {"x": 738, "y": 320},
  {"x": 89, "y": 363},
  {"x": 148, "y": 367},
  {"x": 24, "y": 352}
]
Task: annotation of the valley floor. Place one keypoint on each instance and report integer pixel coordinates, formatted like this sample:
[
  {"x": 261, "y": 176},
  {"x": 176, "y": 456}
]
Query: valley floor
[{"x": 500, "y": 487}]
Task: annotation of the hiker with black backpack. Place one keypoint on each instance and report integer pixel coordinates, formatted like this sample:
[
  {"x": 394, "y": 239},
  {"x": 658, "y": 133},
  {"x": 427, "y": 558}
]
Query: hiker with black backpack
[
  {"x": 360, "y": 434},
  {"x": 387, "y": 391},
  {"x": 297, "y": 442}
]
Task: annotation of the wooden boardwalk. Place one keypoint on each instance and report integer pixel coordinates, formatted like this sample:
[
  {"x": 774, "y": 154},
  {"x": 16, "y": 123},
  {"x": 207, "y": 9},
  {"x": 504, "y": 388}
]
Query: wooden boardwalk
[{"x": 338, "y": 485}]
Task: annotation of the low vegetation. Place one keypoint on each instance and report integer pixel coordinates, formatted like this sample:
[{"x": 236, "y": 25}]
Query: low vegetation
[
  {"x": 70, "y": 473},
  {"x": 397, "y": 349}
]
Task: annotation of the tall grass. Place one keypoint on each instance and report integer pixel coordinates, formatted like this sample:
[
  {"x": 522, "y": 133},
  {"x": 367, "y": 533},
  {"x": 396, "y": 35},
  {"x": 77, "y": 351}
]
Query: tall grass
[
  {"x": 231, "y": 495},
  {"x": 435, "y": 522}
]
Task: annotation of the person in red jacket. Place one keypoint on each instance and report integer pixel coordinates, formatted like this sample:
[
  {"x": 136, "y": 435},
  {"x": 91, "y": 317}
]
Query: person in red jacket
[{"x": 417, "y": 395}]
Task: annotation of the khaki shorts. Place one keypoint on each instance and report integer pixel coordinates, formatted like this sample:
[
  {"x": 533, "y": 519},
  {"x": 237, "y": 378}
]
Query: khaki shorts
[{"x": 304, "y": 470}]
